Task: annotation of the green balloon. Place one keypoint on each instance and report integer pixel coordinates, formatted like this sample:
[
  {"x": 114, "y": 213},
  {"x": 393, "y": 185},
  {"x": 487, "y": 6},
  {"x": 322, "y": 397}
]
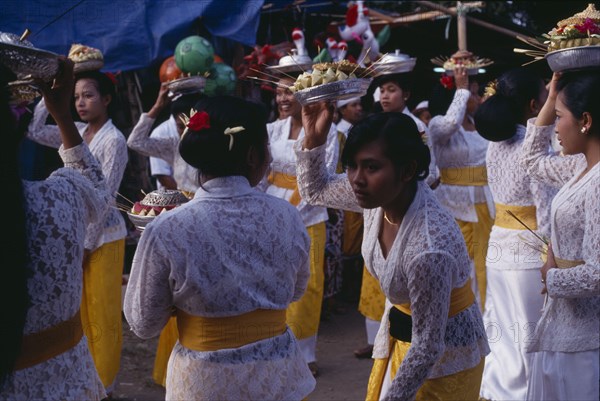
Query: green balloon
[
  {"x": 194, "y": 55},
  {"x": 220, "y": 81}
]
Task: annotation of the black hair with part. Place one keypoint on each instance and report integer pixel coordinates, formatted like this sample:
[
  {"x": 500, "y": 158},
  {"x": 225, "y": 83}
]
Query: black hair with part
[
  {"x": 402, "y": 139},
  {"x": 579, "y": 91},
  {"x": 497, "y": 117},
  {"x": 404, "y": 80},
  {"x": 208, "y": 149},
  {"x": 13, "y": 248}
]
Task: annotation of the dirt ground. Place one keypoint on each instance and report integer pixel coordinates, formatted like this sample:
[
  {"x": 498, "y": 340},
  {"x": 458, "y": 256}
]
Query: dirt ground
[{"x": 341, "y": 375}]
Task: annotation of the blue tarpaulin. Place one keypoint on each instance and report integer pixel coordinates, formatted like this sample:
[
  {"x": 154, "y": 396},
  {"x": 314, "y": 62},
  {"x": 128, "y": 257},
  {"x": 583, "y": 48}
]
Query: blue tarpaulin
[{"x": 131, "y": 33}]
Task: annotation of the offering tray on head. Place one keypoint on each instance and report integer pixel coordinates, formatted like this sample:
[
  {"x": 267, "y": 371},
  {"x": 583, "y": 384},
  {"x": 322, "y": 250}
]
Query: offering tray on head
[
  {"x": 85, "y": 58},
  {"x": 574, "y": 58},
  {"x": 331, "y": 81},
  {"x": 462, "y": 58},
  {"x": 25, "y": 60},
  {"x": 192, "y": 84},
  {"x": 393, "y": 63},
  {"x": 154, "y": 204},
  {"x": 292, "y": 63}
]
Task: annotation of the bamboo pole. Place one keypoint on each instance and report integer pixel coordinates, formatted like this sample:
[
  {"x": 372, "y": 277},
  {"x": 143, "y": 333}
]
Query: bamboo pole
[{"x": 462, "y": 26}]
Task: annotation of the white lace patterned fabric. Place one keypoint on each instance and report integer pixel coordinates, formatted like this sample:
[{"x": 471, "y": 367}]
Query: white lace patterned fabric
[
  {"x": 510, "y": 184},
  {"x": 166, "y": 148},
  {"x": 230, "y": 250},
  {"x": 110, "y": 150},
  {"x": 158, "y": 166},
  {"x": 57, "y": 212},
  {"x": 284, "y": 161},
  {"x": 453, "y": 147},
  {"x": 427, "y": 260},
  {"x": 571, "y": 318}
]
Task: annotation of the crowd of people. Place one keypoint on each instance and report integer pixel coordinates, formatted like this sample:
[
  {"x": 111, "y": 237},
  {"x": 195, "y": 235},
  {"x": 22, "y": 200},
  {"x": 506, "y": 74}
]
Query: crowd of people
[{"x": 476, "y": 234}]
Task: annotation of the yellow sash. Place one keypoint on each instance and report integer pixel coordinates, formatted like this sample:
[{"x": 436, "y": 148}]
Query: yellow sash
[
  {"x": 464, "y": 176},
  {"x": 47, "y": 344},
  {"x": 286, "y": 181},
  {"x": 567, "y": 264},
  {"x": 214, "y": 333},
  {"x": 525, "y": 213},
  {"x": 460, "y": 299}
]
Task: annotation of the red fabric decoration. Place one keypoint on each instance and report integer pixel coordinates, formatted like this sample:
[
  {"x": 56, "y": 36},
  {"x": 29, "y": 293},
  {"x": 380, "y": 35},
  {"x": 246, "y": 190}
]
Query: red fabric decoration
[
  {"x": 112, "y": 77},
  {"x": 352, "y": 15},
  {"x": 199, "y": 121},
  {"x": 447, "y": 81}
]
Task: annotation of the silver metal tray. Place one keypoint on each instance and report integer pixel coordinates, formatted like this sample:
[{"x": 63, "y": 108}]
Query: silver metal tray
[
  {"x": 187, "y": 85},
  {"x": 140, "y": 222},
  {"x": 395, "y": 67},
  {"x": 29, "y": 61},
  {"x": 338, "y": 90},
  {"x": 470, "y": 71},
  {"x": 574, "y": 58},
  {"x": 164, "y": 197}
]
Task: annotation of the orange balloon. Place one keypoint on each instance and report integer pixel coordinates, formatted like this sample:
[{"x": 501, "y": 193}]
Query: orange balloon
[
  {"x": 217, "y": 58},
  {"x": 169, "y": 70}
]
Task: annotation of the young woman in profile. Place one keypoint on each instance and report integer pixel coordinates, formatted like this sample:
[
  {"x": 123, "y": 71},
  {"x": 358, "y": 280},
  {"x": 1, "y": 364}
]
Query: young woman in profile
[
  {"x": 431, "y": 343},
  {"x": 514, "y": 302},
  {"x": 228, "y": 263},
  {"x": 566, "y": 341}
]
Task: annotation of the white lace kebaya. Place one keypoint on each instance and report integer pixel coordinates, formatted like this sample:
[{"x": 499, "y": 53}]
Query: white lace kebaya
[
  {"x": 110, "y": 149},
  {"x": 571, "y": 318},
  {"x": 57, "y": 212},
  {"x": 427, "y": 260},
  {"x": 230, "y": 250}
]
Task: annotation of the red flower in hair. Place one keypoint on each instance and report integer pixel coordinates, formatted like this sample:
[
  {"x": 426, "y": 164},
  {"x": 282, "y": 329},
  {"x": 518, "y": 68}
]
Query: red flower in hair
[
  {"x": 112, "y": 77},
  {"x": 447, "y": 81},
  {"x": 199, "y": 121}
]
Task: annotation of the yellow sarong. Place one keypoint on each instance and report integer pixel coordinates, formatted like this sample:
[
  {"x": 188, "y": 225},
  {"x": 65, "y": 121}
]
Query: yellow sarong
[
  {"x": 477, "y": 237},
  {"x": 372, "y": 301},
  {"x": 101, "y": 308},
  {"x": 166, "y": 342},
  {"x": 461, "y": 386},
  {"x": 303, "y": 316}
]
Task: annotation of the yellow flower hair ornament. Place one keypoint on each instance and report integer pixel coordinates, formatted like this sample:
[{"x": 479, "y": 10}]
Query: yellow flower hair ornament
[
  {"x": 231, "y": 131},
  {"x": 490, "y": 89}
]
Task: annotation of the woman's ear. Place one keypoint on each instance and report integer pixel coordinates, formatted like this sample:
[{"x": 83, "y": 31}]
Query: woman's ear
[
  {"x": 534, "y": 107},
  {"x": 106, "y": 99},
  {"x": 409, "y": 171},
  {"x": 586, "y": 122}
]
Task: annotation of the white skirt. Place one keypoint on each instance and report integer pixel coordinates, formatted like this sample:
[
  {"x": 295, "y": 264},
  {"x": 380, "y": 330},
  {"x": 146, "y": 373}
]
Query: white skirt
[
  {"x": 512, "y": 308},
  {"x": 565, "y": 376}
]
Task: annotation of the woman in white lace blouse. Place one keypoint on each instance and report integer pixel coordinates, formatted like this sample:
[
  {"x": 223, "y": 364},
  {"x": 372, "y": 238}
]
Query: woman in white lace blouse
[
  {"x": 412, "y": 246},
  {"x": 566, "y": 341},
  {"x": 44, "y": 354},
  {"x": 228, "y": 263},
  {"x": 460, "y": 156},
  {"x": 95, "y": 95},
  {"x": 514, "y": 302},
  {"x": 167, "y": 147}
]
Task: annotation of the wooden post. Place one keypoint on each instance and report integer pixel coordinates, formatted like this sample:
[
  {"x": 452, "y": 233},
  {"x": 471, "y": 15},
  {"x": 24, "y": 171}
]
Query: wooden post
[{"x": 462, "y": 25}]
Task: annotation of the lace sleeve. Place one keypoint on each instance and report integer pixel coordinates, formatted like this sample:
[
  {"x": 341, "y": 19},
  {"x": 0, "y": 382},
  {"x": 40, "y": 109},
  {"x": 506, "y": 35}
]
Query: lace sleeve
[
  {"x": 139, "y": 141},
  {"x": 583, "y": 280},
  {"x": 38, "y": 131},
  {"x": 149, "y": 298},
  {"x": 429, "y": 283},
  {"x": 542, "y": 198},
  {"x": 333, "y": 150},
  {"x": 441, "y": 128},
  {"x": 540, "y": 163},
  {"x": 92, "y": 188},
  {"x": 318, "y": 186}
]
